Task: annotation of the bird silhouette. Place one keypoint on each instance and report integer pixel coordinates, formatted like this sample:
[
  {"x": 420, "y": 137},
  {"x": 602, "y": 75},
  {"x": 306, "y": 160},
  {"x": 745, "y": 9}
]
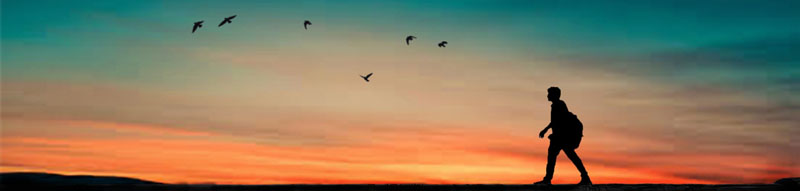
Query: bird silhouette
[
  {"x": 409, "y": 38},
  {"x": 227, "y": 20},
  {"x": 198, "y": 24},
  {"x": 366, "y": 78},
  {"x": 443, "y": 44},
  {"x": 305, "y": 24}
]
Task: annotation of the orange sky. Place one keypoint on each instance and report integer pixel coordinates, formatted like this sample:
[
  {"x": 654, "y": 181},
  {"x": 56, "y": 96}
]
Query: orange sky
[
  {"x": 317, "y": 127},
  {"x": 418, "y": 153},
  {"x": 393, "y": 130}
]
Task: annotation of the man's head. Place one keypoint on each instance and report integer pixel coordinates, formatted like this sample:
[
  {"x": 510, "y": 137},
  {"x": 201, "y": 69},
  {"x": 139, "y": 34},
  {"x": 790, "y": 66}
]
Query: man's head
[{"x": 553, "y": 93}]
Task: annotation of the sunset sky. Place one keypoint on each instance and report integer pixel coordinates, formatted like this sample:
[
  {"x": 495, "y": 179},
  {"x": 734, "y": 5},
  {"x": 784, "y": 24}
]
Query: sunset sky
[{"x": 668, "y": 91}]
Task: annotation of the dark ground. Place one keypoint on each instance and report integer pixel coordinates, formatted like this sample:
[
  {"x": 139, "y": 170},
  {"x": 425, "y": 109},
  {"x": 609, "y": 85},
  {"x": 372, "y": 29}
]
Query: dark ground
[
  {"x": 55, "y": 182},
  {"x": 404, "y": 187}
]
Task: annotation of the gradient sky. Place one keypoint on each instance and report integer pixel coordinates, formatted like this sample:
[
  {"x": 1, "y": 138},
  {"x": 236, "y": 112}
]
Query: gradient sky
[{"x": 668, "y": 91}]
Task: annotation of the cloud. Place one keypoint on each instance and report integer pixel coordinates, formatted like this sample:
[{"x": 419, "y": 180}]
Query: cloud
[
  {"x": 763, "y": 53},
  {"x": 740, "y": 64},
  {"x": 154, "y": 110}
]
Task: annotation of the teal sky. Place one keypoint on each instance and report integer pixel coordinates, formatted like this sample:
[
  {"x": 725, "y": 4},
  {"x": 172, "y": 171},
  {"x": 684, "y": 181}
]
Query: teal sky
[
  {"x": 508, "y": 30},
  {"x": 692, "y": 77}
]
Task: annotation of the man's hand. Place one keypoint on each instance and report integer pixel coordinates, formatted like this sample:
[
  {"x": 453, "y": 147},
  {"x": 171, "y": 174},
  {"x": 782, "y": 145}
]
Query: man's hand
[{"x": 541, "y": 134}]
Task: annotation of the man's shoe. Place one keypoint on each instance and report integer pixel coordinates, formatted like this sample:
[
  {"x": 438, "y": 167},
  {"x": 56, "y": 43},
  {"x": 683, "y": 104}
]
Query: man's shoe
[
  {"x": 585, "y": 181},
  {"x": 543, "y": 182}
]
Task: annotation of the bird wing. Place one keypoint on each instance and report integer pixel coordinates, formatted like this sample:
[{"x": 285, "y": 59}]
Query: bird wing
[
  {"x": 222, "y": 23},
  {"x": 368, "y": 75},
  {"x": 194, "y": 28}
]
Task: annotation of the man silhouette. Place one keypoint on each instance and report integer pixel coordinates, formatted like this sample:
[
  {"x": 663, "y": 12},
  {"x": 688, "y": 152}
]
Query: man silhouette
[{"x": 565, "y": 137}]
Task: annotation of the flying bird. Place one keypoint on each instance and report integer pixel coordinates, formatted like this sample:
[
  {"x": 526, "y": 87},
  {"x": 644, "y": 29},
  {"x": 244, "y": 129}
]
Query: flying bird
[
  {"x": 305, "y": 24},
  {"x": 227, "y": 20},
  {"x": 366, "y": 78},
  {"x": 443, "y": 44},
  {"x": 198, "y": 24},
  {"x": 409, "y": 38}
]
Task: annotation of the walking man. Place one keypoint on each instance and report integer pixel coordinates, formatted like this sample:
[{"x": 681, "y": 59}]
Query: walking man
[{"x": 567, "y": 135}]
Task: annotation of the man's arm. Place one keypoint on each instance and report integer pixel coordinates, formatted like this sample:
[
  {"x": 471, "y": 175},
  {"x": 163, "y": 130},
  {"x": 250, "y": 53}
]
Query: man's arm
[{"x": 541, "y": 134}]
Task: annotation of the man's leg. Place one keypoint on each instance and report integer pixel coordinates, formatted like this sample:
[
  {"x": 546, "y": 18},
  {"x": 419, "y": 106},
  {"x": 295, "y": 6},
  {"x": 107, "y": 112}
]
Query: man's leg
[
  {"x": 552, "y": 155},
  {"x": 578, "y": 164}
]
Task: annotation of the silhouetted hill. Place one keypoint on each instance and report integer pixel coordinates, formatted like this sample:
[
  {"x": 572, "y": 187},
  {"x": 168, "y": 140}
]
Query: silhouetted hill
[
  {"x": 35, "y": 178},
  {"x": 793, "y": 182}
]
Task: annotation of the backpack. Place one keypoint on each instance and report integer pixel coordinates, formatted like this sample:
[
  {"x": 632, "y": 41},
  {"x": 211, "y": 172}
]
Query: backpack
[{"x": 573, "y": 126}]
